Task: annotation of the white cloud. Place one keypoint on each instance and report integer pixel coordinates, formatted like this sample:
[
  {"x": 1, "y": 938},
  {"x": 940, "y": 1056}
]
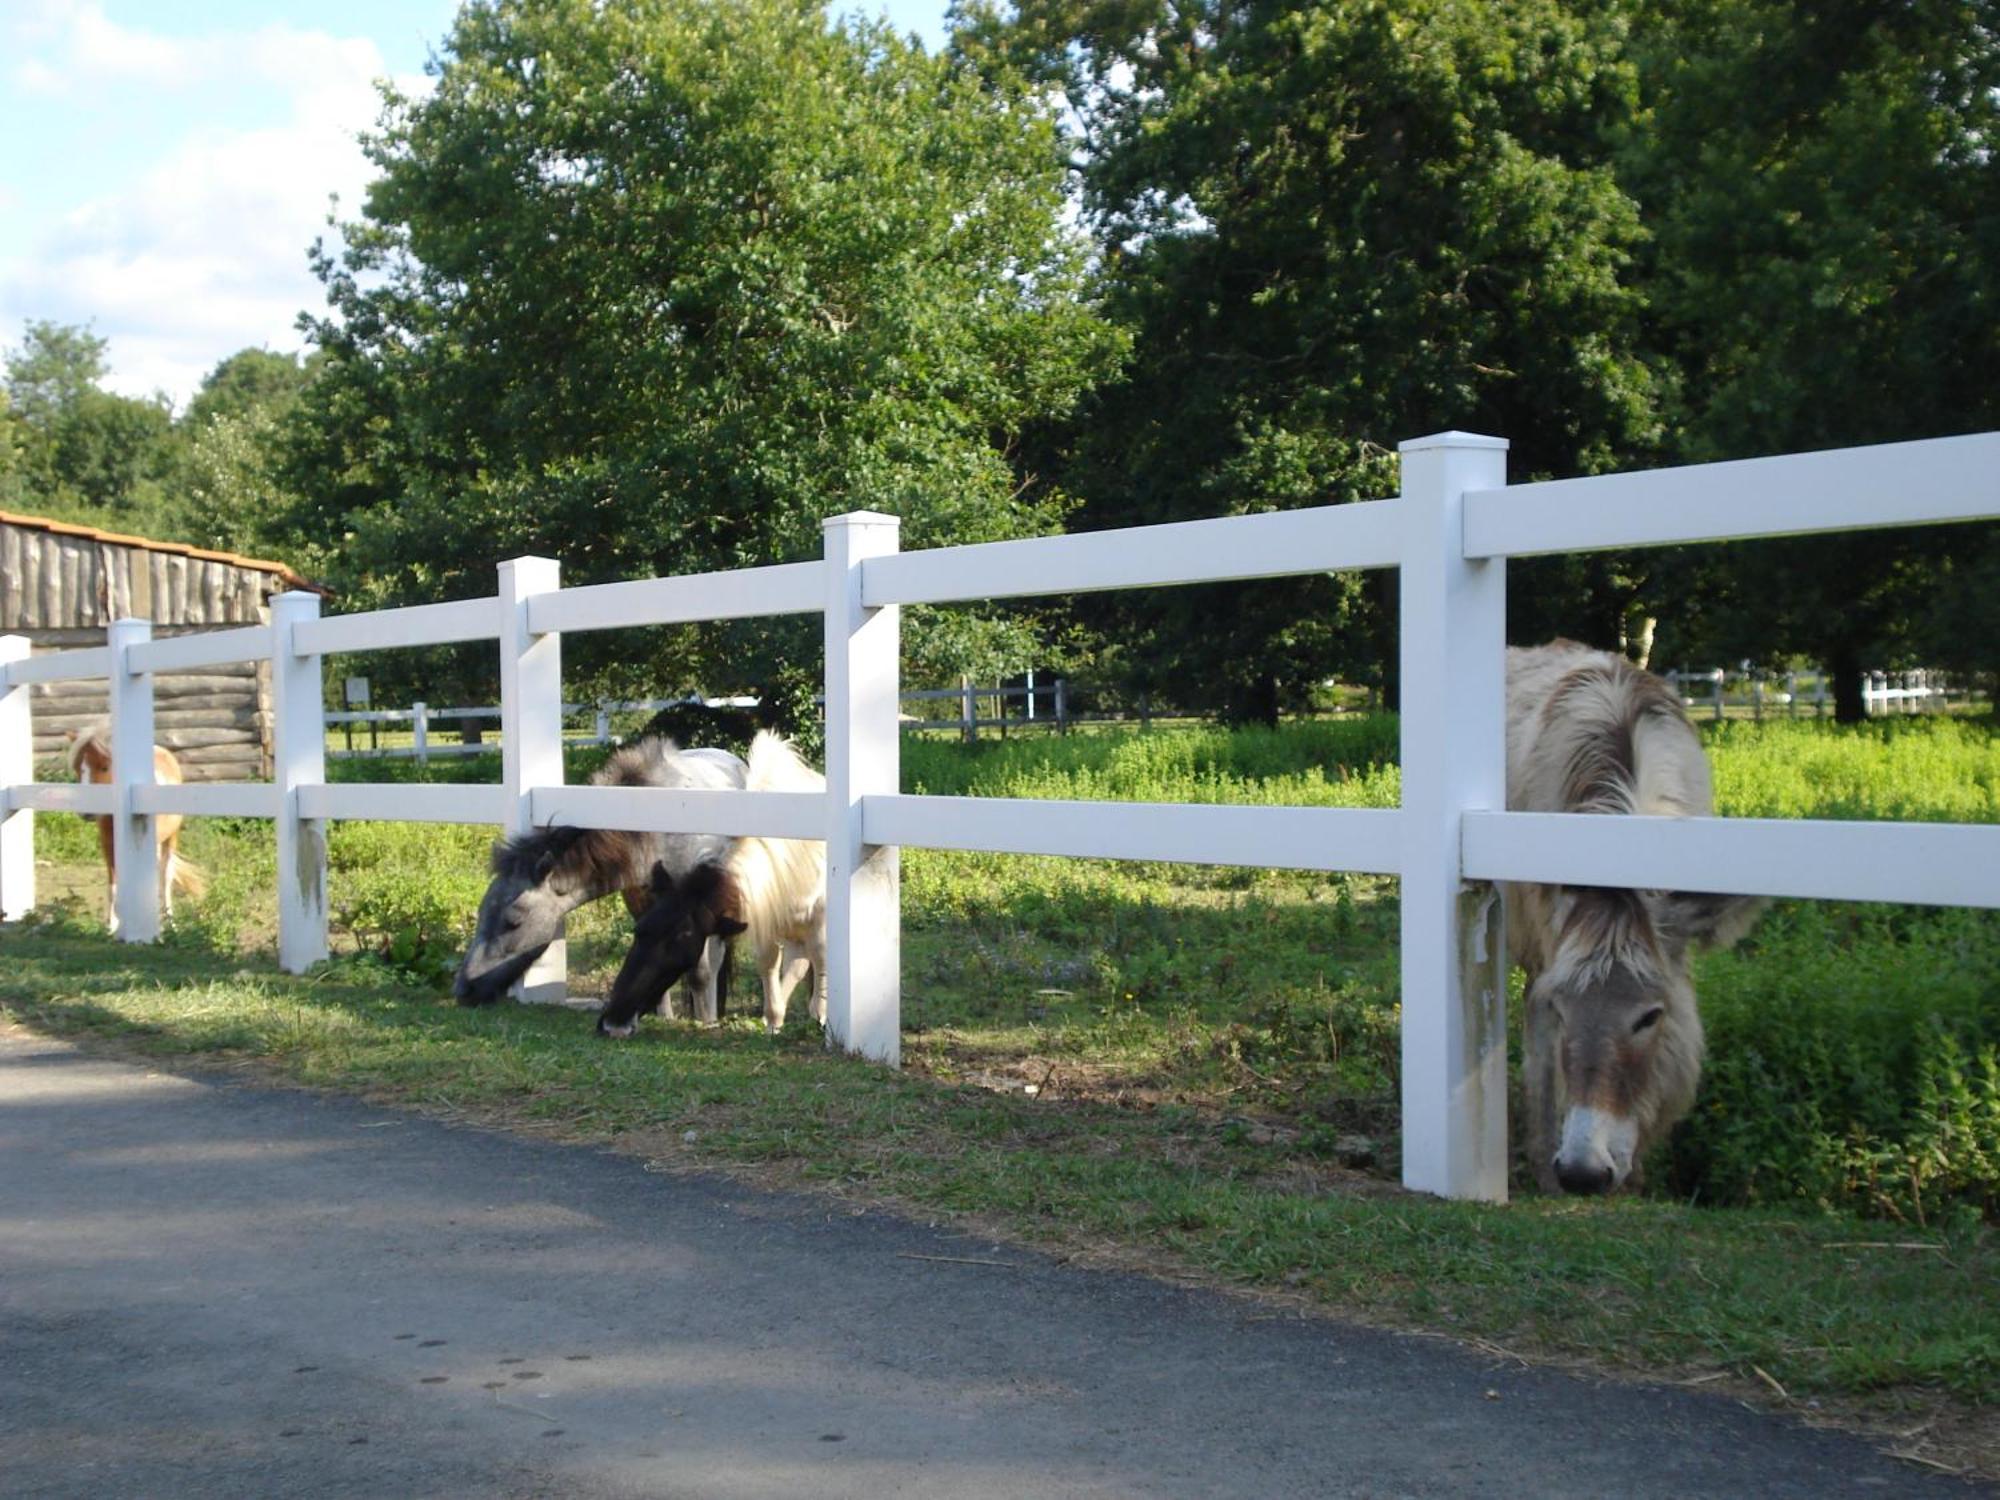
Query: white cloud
[{"x": 203, "y": 251}]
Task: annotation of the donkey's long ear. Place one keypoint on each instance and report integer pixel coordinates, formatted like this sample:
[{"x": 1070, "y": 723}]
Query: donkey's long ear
[
  {"x": 661, "y": 880},
  {"x": 1714, "y": 921}
]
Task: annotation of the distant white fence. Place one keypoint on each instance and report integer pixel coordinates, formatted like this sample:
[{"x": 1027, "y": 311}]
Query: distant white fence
[
  {"x": 422, "y": 718},
  {"x": 1794, "y": 694},
  {"x": 1450, "y": 532}
]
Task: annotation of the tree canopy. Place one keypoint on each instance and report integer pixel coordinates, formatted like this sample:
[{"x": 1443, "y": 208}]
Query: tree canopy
[
  {"x": 656, "y": 285},
  {"x": 653, "y": 286}
]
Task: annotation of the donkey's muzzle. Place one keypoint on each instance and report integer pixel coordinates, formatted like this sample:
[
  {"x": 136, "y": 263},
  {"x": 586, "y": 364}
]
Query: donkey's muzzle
[{"x": 1585, "y": 1178}]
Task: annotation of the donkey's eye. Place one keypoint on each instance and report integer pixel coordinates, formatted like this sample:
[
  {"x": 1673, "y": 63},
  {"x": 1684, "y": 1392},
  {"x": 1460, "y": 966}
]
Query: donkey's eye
[
  {"x": 1649, "y": 1020},
  {"x": 511, "y": 921}
]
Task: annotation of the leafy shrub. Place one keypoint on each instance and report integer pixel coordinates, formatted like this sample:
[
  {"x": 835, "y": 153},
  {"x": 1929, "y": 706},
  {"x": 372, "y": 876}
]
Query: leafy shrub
[
  {"x": 408, "y": 893},
  {"x": 1854, "y": 1062}
]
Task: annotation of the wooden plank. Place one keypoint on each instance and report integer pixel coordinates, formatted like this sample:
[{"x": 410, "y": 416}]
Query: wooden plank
[
  {"x": 10, "y": 579},
  {"x": 139, "y": 598},
  {"x": 201, "y": 736},
  {"x": 215, "y": 593},
  {"x": 70, "y": 601},
  {"x": 31, "y": 581},
  {"x": 117, "y": 582},
  {"x": 177, "y": 590},
  {"x": 229, "y": 715},
  {"x": 91, "y": 610},
  {"x": 239, "y": 754},
  {"x": 204, "y": 684},
  {"x": 52, "y": 595}
]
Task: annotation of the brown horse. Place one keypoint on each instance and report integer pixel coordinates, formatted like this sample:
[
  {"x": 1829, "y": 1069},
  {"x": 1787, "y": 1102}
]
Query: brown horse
[
  {"x": 1614, "y": 1046},
  {"x": 90, "y": 762}
]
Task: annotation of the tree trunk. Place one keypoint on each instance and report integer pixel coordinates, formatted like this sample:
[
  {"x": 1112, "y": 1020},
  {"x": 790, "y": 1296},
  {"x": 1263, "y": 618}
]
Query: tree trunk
[
  {"x": 1385, "y": 593},
  {"x": 1262, "y": 707},
  {"x": 1843, "y": 665}
]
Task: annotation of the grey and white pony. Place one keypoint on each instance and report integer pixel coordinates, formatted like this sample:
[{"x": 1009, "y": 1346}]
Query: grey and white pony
[
  {"x": 1614, "y": 1045},
  {"x": 540, "y": 877}
]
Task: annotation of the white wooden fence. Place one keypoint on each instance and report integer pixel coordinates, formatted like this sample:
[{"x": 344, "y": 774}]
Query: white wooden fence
[{"x": 1450, "y": 531}]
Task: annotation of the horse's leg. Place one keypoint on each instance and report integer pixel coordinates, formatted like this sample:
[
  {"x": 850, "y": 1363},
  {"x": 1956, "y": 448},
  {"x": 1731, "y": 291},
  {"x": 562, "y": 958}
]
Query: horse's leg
[
  {"x": 110, "y": 874},
  {"x": 169, "y": 851},
  {"x": 1538, "y": 1090},
  {"x": 771, "y": 961},
  {"x": 819, "y": 975},
  {"x": 702, "y": 980}
]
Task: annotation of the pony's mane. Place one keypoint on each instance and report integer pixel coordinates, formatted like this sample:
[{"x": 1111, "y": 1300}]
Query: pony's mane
[
  {"x": 604, "y": 856},
  {"x": 95, "y": 735}
]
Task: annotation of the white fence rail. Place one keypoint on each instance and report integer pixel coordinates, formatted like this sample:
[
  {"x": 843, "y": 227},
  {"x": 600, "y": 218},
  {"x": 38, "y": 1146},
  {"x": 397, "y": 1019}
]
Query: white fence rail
[{"x": 1450, "y": 532}]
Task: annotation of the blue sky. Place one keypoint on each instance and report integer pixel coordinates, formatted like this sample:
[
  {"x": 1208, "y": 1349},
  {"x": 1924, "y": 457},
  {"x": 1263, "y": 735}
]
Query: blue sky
[{"x": 169, "y": 162}]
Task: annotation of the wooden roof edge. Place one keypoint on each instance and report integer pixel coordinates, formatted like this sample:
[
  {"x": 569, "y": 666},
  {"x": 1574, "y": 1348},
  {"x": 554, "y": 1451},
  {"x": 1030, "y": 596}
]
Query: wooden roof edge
[{"x": 148, "y": 544}]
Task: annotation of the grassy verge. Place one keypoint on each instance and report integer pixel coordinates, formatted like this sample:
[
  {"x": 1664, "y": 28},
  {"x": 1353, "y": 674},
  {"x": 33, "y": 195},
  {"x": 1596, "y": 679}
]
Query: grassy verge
[{"x": 1896, "y": 1322}]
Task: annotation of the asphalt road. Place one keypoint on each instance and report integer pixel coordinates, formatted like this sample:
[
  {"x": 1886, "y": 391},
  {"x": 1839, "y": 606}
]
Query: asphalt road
[{"x": 210, "y": 1289}]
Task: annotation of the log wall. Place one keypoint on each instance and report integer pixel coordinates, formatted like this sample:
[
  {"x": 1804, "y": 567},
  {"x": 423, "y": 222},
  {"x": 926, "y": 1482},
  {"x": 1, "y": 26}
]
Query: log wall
[{"x": 61, "y": 590}]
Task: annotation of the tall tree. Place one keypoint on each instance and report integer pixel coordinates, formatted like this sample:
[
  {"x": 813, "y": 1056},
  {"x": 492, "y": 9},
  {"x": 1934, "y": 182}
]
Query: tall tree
[
  {"x": 83, "y": 453},
  {"x": 1335, "y": 225},
  {"x": 1822, "y": 186},
  {"x": 653, "y": 286}
]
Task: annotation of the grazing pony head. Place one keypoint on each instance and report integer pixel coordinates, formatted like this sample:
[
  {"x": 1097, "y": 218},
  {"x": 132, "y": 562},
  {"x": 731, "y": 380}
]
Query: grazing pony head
[
  {"x": 521, "y": 913},
  {"x": 1627, "y": 1040},
  {"x": 672, "y": 933}
]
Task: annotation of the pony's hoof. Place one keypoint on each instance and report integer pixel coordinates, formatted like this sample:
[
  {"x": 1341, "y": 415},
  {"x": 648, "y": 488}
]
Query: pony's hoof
[{"x": 619, "y": 1033}]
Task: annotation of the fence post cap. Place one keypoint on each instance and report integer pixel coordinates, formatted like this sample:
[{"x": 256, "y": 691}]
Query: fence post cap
[
  {"x": 860, "y": 518},
  {"x": 1453, "y": 439}
]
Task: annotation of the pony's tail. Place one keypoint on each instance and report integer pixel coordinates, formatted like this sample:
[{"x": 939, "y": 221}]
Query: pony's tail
[{"x": 190, "y": 879}]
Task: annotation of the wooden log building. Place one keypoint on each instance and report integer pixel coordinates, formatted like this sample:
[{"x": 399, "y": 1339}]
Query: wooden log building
[{"x": 61, "y": 584}]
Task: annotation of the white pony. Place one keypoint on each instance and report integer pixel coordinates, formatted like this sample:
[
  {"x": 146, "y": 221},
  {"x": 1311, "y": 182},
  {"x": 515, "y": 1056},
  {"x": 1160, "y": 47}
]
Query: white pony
[{"x": 772, "y": 889}]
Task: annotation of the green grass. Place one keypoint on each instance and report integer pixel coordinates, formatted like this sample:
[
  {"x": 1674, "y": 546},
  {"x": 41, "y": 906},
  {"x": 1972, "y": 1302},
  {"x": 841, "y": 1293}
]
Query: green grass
[
  {"x": 1810, "y": 1299},
  {"x": 1186, "y": 1065}
]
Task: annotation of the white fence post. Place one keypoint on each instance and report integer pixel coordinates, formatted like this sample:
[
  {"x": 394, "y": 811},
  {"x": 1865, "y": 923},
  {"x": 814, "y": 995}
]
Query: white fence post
[
  {"x": 1454, "y": 961},
  {"x": 531, "y": 733},
  {"x": 136, "y": 908},
  {"x": 420, "y": 731},
  {"x": 298, "y": 759},
  {"x": 17, "y": 768},
  {"x": 864, "y": 938}
]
